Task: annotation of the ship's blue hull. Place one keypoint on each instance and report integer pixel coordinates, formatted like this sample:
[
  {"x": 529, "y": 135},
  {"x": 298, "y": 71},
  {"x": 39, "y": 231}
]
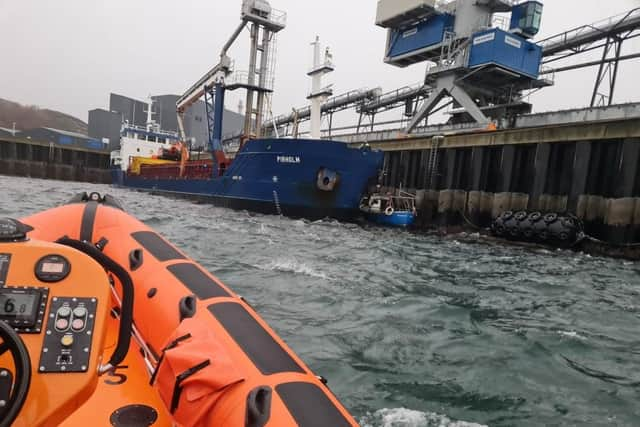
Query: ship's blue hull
[{"x": 299, "y": 178}]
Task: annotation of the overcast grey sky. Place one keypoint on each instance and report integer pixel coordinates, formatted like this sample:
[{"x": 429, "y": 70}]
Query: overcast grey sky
[{"x": 70, "y": 54}]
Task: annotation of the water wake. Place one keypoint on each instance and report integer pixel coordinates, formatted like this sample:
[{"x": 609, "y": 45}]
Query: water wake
[
  {"x": 291, "y": 265},
  {"x": 402, "y": 417}
]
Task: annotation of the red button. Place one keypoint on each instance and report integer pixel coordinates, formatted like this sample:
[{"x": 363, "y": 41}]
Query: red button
[
  {"x": 62, "y": 324},
  {"x": 78, "y": 324}
]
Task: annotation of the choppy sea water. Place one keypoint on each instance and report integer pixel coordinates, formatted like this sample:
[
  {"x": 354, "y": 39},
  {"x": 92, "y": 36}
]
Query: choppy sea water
[{"x": 412, "y": 329}]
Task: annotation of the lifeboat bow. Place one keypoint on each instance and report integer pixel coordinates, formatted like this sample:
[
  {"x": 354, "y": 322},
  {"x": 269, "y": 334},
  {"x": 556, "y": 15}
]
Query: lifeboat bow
[{"x": 104, "y": 322}]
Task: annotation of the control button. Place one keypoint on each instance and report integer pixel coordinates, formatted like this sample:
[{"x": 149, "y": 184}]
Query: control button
[
  {"x": 79, "y": 312},
  {"x": 62, "y": 324},
  {"x": 67, "y": 341},
  {"x": 64, "y": 312},
  {"x": 77, "y": 325}
]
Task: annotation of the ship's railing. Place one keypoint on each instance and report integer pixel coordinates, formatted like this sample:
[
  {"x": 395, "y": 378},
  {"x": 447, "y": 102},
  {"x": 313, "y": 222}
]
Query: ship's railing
[
  {"x": 144, "y": 130},
  {"x": 549, "y": 73},
  {"x": 241, "y": 78},
  {"x": 278, "y": 16},
  {"x": 501, "y": 22}
]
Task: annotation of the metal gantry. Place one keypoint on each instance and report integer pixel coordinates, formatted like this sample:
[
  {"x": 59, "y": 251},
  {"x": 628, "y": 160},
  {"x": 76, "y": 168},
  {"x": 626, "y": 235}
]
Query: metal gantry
[{"x": 608, "y": 35}]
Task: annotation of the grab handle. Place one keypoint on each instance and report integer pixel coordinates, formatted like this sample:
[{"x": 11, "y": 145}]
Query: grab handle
[{"x": 258, "y": 407}]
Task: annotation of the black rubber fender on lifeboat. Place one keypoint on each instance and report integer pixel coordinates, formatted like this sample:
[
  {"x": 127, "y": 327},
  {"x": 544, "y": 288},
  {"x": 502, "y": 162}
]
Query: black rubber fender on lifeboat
[{"x": 106, "y": 200}]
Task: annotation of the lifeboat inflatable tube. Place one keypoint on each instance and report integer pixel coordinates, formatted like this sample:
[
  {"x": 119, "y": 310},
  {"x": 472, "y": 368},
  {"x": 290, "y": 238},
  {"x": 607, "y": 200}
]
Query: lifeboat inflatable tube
[
  {"x": 200, "y": 354},
  {"x": 534, "y": 227}
]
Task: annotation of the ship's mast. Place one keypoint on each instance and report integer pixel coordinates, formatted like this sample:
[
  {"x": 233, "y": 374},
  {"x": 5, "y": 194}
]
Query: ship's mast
[{"x": 319, "y": 94}]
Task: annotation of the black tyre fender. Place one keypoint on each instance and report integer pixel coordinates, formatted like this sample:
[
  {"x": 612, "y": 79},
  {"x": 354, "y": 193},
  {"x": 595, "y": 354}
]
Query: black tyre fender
[
  {"x": 535, "y": 216},
  {"x": 506, "y": 215},
  {"x": 521, "y": 216},
  {"x": 568, "y": 222}
]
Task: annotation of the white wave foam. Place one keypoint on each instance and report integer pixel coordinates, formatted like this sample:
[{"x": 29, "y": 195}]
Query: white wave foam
[
  {"x": 572, "y": 334},
  {"x": 402, "y": 417},
  {"x": 293, "y": 266}
]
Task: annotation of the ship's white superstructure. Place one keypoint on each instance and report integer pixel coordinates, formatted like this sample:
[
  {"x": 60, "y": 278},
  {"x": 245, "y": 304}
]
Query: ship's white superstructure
[{"x": 137, "y": 141}]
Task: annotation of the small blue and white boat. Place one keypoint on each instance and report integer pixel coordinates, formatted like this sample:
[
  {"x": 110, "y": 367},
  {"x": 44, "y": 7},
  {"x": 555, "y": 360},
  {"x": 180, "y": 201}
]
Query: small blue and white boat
[{"x": 390, "y": 210}]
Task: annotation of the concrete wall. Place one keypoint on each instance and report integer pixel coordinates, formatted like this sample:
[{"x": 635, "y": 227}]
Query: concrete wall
[
  {"x": 588, "y": 170},
  {"x": 39, "y": 160}
]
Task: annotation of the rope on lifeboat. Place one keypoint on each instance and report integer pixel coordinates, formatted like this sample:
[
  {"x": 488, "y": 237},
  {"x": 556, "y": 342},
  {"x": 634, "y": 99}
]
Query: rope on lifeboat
[{"x": 126, "y": 316}]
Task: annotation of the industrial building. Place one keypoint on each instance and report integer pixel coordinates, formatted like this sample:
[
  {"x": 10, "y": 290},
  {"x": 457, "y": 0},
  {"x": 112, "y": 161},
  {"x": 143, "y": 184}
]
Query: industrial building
[
  {"x": 105, "y": 126},
  {"x": 131, "y": 110},
  {"x": 61, "y": 137}
]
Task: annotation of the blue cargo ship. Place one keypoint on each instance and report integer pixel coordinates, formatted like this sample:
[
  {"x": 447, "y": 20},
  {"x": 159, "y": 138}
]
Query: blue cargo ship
[{"x": 293, "y": 177}]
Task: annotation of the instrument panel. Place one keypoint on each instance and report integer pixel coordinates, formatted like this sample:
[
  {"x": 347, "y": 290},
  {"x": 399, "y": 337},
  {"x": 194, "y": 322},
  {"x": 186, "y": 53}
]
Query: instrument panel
[
  {"x": 58, "y": 300},
  {"x": 67, "y": 342},
  {"x": 23, "y": 308}
]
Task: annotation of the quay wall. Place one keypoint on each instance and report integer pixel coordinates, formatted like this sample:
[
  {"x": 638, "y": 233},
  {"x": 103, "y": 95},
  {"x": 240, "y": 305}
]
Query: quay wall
[
  {"x": 23, "y": 157},
  {"x": 590, "y": 169}
]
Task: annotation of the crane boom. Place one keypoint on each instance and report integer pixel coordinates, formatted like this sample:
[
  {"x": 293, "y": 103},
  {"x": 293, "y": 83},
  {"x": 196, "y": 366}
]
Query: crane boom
[
  {"x": 220, "y": 71},
  {"x": 195, "y": 92}
]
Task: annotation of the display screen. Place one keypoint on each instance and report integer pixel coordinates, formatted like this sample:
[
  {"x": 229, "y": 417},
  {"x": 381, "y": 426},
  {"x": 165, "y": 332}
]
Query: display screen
[
  {"x": 52, "y": 267},
  {"x": 17, "y": 304}
]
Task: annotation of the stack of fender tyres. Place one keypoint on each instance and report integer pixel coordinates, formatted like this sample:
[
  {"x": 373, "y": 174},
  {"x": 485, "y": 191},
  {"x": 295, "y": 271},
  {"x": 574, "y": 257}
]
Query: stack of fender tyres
[{"x": 535, "y": 227}]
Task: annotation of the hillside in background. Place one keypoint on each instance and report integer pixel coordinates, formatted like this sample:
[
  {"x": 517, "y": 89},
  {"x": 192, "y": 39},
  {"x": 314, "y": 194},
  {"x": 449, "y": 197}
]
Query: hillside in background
[{"x": 29, "y": 117}]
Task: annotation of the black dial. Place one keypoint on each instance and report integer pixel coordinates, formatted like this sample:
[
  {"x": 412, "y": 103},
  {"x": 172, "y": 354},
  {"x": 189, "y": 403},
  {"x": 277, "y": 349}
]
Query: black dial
[{"x": 52, "y": 268}]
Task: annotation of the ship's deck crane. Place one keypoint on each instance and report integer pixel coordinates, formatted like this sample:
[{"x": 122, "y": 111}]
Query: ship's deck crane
[{"x": 263, "y": 22}]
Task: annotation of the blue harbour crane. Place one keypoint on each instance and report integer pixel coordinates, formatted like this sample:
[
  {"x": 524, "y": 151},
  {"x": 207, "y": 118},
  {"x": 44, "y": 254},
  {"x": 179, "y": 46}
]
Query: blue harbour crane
[{"x": 483, "y": 68}]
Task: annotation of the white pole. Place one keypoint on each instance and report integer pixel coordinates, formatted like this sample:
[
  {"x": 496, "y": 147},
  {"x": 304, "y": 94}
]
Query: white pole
[{"x": 316, "y": 102}]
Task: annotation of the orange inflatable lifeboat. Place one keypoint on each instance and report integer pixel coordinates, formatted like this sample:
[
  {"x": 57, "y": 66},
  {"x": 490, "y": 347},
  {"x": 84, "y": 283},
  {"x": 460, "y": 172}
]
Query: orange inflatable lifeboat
[{"x": 103, "y": 322}]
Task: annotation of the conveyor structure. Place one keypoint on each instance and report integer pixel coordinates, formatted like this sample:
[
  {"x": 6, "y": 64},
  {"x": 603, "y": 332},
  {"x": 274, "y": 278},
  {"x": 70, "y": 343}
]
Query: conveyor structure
[
  {"x": 354, "y": 98},
  {"x": 608, "y": 35}
]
